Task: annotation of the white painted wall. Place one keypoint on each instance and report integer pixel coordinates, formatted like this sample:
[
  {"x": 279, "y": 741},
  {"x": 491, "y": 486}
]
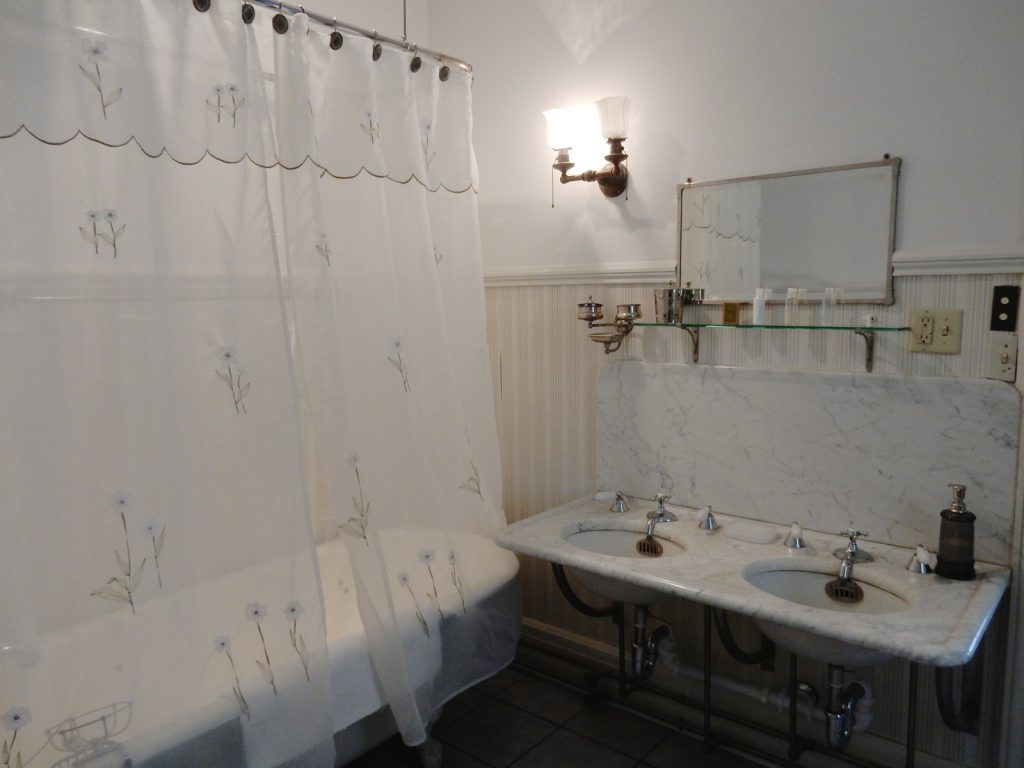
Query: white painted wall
[{"x": 723, "y": 88}]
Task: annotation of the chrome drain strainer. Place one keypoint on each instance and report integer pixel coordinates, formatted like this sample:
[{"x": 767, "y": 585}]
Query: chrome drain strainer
[
  {"x": 649, "y": 547},
  {"x": 844, "y": 591}
]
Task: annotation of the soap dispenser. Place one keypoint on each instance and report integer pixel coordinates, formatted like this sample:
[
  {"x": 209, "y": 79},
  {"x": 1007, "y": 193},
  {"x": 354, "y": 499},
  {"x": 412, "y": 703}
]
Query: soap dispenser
[{"x": 956, "y": 539}]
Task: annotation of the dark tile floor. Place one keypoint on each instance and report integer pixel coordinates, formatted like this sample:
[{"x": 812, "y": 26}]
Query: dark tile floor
[{"x": 516, "y": 720}]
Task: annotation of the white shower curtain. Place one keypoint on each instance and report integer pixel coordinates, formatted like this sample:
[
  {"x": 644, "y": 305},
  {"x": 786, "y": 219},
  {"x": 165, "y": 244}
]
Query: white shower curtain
[
  {"x": 239, "y": 292},
  {"x": 387, "y": 292}
]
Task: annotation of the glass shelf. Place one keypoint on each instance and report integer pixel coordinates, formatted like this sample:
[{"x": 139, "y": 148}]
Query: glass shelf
[
  {"x": 854, "y": 328},
  {"x": 866, "y": 332}
]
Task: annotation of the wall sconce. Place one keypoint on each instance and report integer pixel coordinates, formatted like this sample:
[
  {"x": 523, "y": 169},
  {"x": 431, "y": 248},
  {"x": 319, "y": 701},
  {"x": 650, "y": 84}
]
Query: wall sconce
[
  {"x": 591, "y": 311},
  {"x": 614, "y": 112}
]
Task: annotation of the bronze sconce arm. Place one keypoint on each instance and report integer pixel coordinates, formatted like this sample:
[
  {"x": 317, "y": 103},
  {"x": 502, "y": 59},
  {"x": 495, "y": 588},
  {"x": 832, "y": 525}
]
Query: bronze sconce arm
[{"x": 611, "y": 179}]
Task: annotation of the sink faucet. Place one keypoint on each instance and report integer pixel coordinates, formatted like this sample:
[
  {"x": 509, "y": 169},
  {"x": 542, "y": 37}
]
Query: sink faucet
[
  {"x": 845, "y": 589},
  {"x": 846, "y": 565},
  {"x": 852, "y": 554},
  {"x": 659, "y": 515}
]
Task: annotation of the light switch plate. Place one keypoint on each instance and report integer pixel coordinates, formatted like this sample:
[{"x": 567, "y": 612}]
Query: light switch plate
[
  {"x": 936, "y": 329},
  {"x": 1002, "y": 356}
]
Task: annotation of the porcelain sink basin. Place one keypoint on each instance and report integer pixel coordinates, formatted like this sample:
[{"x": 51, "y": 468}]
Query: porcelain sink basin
[
  {"x": 618, "y": 543},
  {"x": 807, "y": 588}
]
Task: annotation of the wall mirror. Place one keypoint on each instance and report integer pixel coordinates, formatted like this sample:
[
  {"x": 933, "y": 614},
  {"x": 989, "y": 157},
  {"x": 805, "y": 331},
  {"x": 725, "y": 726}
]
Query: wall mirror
[{"x": 814, "y": 229}]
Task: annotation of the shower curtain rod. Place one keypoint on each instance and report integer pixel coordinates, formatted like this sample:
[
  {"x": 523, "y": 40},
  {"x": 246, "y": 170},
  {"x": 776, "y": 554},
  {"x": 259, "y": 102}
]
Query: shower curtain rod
[{"x": 333, "y": 23}]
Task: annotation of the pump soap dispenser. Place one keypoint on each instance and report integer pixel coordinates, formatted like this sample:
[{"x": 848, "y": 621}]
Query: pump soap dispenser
[{"x": 956, "y": 539}]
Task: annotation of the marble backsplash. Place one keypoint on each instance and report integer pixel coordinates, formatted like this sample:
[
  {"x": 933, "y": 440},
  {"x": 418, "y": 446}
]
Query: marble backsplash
[{"x": 827, "y": 450}]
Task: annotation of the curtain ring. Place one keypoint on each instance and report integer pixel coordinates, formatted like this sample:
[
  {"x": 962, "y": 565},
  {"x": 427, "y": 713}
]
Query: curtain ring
[
  {"x": 201, "y": 5},
  {"x": 280, "y": 21},
  {"x": 336, "y": 39},
  {"x": 248, "y": 13},
  {"x": 378, "y": 49},
  {"x": 445, "y": 70},
  {"x": 416, "y": 62}
]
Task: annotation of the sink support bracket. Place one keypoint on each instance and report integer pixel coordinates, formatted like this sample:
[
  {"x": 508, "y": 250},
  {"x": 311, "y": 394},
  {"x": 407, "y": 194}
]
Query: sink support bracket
[
  {"x": 765, "y": 655},
  {"x": 615, "y": 611},
  {"x": 911, "y": 716},
  {"x": 795, "y": 745},
  {"x": 709, "y": 745},
  {"x": 963, "y": 718},
  {"x": 576, "y": 602}
]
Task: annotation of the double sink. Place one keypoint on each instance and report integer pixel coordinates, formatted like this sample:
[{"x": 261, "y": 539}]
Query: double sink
[{"x": 742, "y": 566}]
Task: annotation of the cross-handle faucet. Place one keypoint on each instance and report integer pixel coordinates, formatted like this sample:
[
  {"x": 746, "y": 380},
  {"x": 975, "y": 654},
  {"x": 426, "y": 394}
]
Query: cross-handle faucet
[
  {"x": 851, "y": 553},
  {"x": 659, "y": 515}
]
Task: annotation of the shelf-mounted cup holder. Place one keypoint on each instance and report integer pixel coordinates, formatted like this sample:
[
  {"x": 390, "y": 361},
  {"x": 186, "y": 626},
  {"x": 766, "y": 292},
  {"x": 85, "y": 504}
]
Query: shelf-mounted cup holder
[
  {"x": 627, "y": 313},
  {"x": 591, "y": 311}
]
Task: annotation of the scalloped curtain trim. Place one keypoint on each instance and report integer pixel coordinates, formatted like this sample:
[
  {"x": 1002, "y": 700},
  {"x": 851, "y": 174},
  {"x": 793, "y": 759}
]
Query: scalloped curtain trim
[{"x": 246, "y": 156}]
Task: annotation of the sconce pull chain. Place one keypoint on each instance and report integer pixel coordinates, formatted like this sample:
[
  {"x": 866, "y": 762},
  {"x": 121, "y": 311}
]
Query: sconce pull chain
[{"x": 552, "y": 187}]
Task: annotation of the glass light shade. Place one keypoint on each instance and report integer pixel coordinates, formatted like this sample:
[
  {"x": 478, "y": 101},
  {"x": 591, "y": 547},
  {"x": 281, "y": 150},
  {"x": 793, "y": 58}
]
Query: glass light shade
[
  {"x": 561, "y": 125},
  {"x": 614, "y": 111}
]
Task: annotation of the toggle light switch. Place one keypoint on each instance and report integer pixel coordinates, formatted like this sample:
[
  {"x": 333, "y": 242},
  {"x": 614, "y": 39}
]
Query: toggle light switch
[{"x": 1002, "y": 356}]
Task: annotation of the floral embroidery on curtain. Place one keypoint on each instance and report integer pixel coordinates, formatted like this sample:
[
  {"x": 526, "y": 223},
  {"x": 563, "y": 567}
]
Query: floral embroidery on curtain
[
  {"x": 96, "y": 235},
  {"x": 398, "y": 361},
  {"x": 123, "y": 585},
  {"x": 14, "y": 720},
  {"x": 356, "y": 525},
  {"x": 222, "y": 644},
  {"x": 235, "y": 377},
  {"x": 95, "y": 52},
  {"x": 228, "y": 100}
]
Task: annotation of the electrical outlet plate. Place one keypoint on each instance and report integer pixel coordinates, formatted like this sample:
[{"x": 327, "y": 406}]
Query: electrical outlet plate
[
  {"x": 936, "y": 329},
  {"x": 1005, "y": 304},
  {"x": 1002, "y": 356}
]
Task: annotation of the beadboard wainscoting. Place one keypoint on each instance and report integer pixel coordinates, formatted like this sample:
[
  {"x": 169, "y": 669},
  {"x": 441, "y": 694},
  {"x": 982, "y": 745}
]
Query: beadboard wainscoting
[{"x": 545, "y": 374}]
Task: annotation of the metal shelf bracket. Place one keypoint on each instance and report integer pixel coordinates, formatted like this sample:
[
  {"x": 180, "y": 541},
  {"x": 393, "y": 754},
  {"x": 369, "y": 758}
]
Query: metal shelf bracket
[
  {"x": 869, "y": 349},
  {"x": 695, "y": 338}
]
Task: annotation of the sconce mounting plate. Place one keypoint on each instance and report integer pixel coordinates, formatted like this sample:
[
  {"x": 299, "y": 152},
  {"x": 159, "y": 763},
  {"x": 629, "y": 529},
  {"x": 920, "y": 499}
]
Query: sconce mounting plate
[{"x": 613, "y": 181}]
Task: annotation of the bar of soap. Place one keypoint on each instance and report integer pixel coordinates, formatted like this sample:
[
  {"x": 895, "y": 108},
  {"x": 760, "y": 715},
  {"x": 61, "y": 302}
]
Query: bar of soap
[{"x": 755, "y": 534}]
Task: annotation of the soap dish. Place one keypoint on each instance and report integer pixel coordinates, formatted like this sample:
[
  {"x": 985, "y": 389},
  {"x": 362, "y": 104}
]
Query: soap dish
[{"x": 755, "y": 534}]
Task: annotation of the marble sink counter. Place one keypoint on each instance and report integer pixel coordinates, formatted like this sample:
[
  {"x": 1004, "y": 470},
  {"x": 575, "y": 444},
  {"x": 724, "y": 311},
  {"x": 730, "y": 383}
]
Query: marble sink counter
[{"x": 942, "y": 625}]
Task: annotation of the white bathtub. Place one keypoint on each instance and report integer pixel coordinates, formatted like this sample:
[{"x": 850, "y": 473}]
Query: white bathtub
[{"x": 199, "y": 716}]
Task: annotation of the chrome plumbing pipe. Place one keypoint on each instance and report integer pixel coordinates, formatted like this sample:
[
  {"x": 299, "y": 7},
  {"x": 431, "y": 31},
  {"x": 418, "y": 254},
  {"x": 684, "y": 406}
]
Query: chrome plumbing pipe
[{"x": 839, "y": 717}]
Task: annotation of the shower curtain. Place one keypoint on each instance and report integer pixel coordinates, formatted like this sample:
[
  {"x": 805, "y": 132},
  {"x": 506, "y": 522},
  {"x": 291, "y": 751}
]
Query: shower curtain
[
  {"x": 385, "y": 286},
  {"x": 239, "y": 292}
]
